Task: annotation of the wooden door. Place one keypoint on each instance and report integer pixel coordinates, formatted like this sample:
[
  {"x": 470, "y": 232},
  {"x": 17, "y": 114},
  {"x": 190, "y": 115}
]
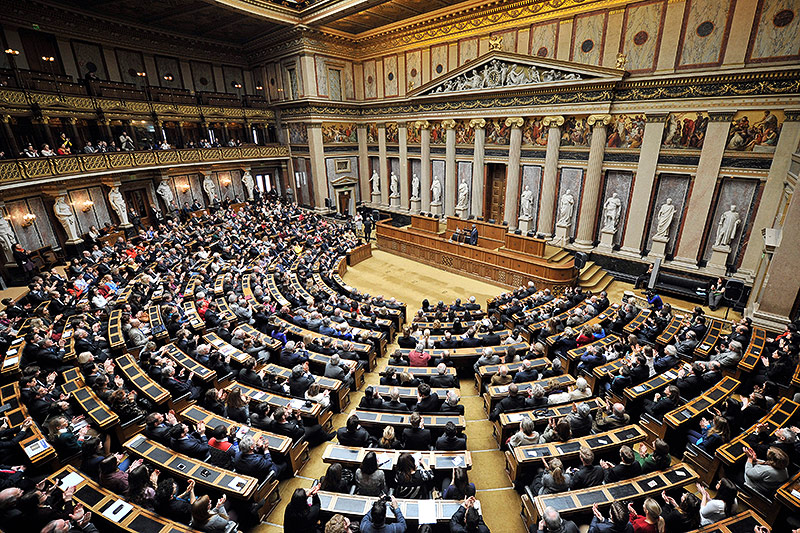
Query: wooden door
[
  {"x": 495, "y": 200},
  {"x": 344, "y": 202},
  {"x": 137, "y": 199}
]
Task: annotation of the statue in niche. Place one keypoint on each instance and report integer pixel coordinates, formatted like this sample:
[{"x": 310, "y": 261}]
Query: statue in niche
[
  {"x": 249, "y": 184},
  {"x": 65, "y": 215},
  {"x": 463, "y": 195},
  {"x": 414, "y": 187},
  {"x": 118, "y": 204},
  {"x": 565, "y": 209},
  {"x": 394, "y": 185},
  {"x": 7, "y": 238},
  {"x": 611, "y": 211},
  {"x": 376, "y": 182},
  {"x": 210, "y": 188},
  {"x": 526, "y": 204},
  {"x": 436, "y": 191},
  {"x": 664, "y": 220},
  {"x": 165, "y": 192},
  {"x": 726, "y": 229}
]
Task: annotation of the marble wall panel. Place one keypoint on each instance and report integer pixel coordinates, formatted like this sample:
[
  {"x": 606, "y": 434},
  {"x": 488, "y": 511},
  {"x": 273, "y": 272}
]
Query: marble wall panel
[
  {"x": 532, "y": 178},
  {"x": 370, "y": 83},
  {"x": 439, "y": 61},
  {"x": 78, "y": 198},
  {"x": 202, "y": 76},
  {"x": 570, "y": 179},
  {"x": 130, "y": 63},
  {"x": 641, "y": 35},
  {"x": 438, "y": 166},
  {"x": 390, "y": 75},
  {"x": 543, "y": 39},
  {"x": 620, "y": 182},
  {"x": 778, "y": 31},
  {"x": 588, "y": 37},
  {"x": 29, "y": 236},
  {"x": 676, "y": 187},
  {"x": 416, "y": 168},
  {"x": 196, "y": 182},
  {"x": 467, "y": 50},
  {"x": 464, "y": 170},
  {"x": 89, "y": 58},
  {"x": 321, "y": 71},
  {"x": 414, "y": 69},
  {"x": 704, "y": 31},
  {"x": 742, "y": 194},
  {"x": 98, "y": 196}
]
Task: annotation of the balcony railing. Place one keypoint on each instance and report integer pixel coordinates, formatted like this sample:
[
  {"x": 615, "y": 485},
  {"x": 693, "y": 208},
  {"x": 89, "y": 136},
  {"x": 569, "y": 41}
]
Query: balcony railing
[{"x": 58, "y": 166}]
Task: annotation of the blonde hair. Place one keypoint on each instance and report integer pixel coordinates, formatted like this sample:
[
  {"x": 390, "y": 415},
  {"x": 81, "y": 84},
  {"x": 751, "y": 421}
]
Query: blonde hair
[
  {"x": 388, "y": 437},
  {"x": 653, "y": 510}
]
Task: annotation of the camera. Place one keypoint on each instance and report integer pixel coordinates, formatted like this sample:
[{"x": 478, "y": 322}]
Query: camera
[{"x": 385, "y": 498}]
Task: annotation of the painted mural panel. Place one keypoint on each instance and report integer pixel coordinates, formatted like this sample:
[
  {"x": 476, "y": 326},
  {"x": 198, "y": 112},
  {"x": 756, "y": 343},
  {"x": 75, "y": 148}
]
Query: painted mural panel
[
  {"x": 625, "y": 131},
  {"x": 372, "y": 134},
  {"x": 617, "y": 182},
  {"x": 370, "y": 87},
  {"x": 642, "y": 31},
  {"x": 741, "y": 194},
  {"x": 464, "y": 134},
  {"x": 497, "y": 132},
  {"x": 298, "y": 134},
  {"x": 570, "y": 182},
  {"x": 534, "y": 133},
  {"x": 438, "y": 133},
  {"x": 704, "y": 29},
  {"x": 676, "y": 188},
  {"x": 89, "y": 58},
  {"x": 334, "y": 132},
  {"x": 588, "y": 35},
  {"x": 685, "y": 130},
  {"x": 753, "y": 131},
  {"x": 575, "y": 132},
  {"x": 390, "y": 75},
  {"x": 543, "y": 39},
  {"x": 413, "y": 136},
  {"x": 778, "y": 31},
  {"x": 392, "y": 133}
]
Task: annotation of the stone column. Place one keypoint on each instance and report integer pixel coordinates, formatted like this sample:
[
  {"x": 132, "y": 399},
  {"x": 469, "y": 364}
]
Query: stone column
[
  {"x": 77, "y": 141},
  {"x": 363, "y": 163},
  {"x": 450, "y": 174},
  {"x": 159, "y": 127},
  {"x": 773, "y": 188},
  {"x": 383, "y": 171},
  {"x": 402, "y": 132},
  {"x": 591, "y": 188},
  {"x": 699, "y": 208},
  {"x": 512, "y": 175},
  {"x": 12, "y": 141},
  {"x": 318, "y": 171},
  {"x": 425, "y": 164},
  {"x": 550, "y": 177},
  {"x": 643, "y": 185},
  {"x": 479, "y": 125},
  {"x": 105, "y": 127},
  {"x": 44, "y": 128}
]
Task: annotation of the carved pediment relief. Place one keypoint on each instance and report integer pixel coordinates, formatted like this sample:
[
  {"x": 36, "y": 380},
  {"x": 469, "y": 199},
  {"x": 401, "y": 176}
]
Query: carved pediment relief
[
  {"x": 344, "y": 181},
  {"x": 497, "y": 71}
]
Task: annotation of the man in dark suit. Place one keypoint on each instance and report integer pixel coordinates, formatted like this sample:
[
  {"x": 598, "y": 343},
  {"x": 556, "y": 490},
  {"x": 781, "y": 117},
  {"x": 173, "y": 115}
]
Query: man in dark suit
[
  {"x": 526, "y": 373},
  {"x": 513, "y": 402},
  {"x": 473, "y": 236},
  {"x": 179, "y": 387},
  {"x": 158, "y": 426},
  {"x": 371, "y": 400},
  {"x": 471, "y": 305},
  {"x": 450, "y": 405},
  {"x": 588, "y": 475},
  {"x": 254, "y": 460},
  {"x": 353, "y": 434},
  {"x": 451, "y": 441},
  {"x": 471, "y": 341},
  {"x": 691, "y": 383},
  {"x": 193, "y": 444},
  {"x": 394, "y": 403},
  {"x": 367, "y": 227},
  {"x": 416, "y": 437},
  {"x": 449, "y": 342},
  {"x": 443, "y": 380},
  {"x": 426, "y": 402},
  {"x": 628, "y": 467}
]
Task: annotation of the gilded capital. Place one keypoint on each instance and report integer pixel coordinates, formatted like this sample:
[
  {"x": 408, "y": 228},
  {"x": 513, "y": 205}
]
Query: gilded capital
[
  {"x": 449, "y": 124},
  {"x": 515, "y": 122},
  {"x": 598, "y": 120},
  {"x": 792, "y": 115},
  {"x": 477, "y": 123},
  {"x": 6, "y": 118},
  {"x": 553, "y": 121},
  {"x": 422, "y": 125}
]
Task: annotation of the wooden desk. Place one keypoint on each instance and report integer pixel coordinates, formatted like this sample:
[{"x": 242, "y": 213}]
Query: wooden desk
[
  {"x": 295, "y": 454},
  {"x": 754, "y": 351},
  {"x": 670, "y": 331},
  {"x": 485, "y": 373},
  {"x": 526, "y": 245},
  {"x": 640, "y": 487},
  {"x": 340, "y": 397},
  {"x": 355, "y": 506},
  {"x": 11, "y": 359},
  {"x": 266, "y": 340},
  {"x": 225, "y": 311},
  {"x": 358, "y": 254},
  {"x": 496, "y": 393},
  {"x": 600, "y": 443},
  {"x": 219, "y": 283},
  {"x": 352, "y": 457},
  {"x": 508, "y": 423},
  {"x": 420, "y": 372},
  {"x": 190, "y": 365},
  {"x": 34, "y": 446},
  {"x": 115, "y": 337},
  {"x": 425, "y": 223},
  {"x": 313, "y": 412},
  {"x": 401, "y": 420},
  {"x": 494, "y": 232},
  {"x": 655, "y": 384},
  {"x": 275, "y": 292},
  {"x": 637, "y": 322},
  {"x": 787, "y": 494},
  {"x": 157, "y": 328},
  {"x": 696, "y": 407},
  {"x": 710, "y": 339},
  {"x": 143, "y": 383},
  {"x": 195, "y": 322},
  {"x": 468, "y": 356},
  {"x": 745, "y": 522},
  {"x": 574, "y": 355},
  {"x": 778, "y": 417},
  {"x": 93, "y": 407},
  {"x": 98, "y": 500},
  {"x": 226, "y": 349},
  {"x": 409, "y": 394},
  {"x": 300, "y": 333}
]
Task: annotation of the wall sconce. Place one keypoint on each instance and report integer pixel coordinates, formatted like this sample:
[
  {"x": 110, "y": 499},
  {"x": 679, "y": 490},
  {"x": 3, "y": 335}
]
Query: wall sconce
[
  {"x": 141, "y": 74},
  {"x": 12, "y": 52},
  {"x": 237, "y": 85},
  {"x": 48, "y": 59},
  {"x": 225, "y": 182},
  {"x": 87, "y": 205},
  {"x": 185, "y": 187},
  {"x": 27, "y": 219},
  {"x": 259, "y": 87},
  {"x": 167, "y": 77}
]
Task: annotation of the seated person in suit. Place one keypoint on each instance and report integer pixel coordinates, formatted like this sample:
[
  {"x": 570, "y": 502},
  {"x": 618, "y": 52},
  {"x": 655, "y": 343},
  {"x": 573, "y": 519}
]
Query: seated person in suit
[
  {"x": 449, "y": 342},
  {"x": 290, "y": 423},
  {"x": 669, "y": 359},
  {"x": 157, "y": 427},
  {"x": 335, "y": 369},
  {"x": 487, "y": 358},
  {"x": 513, "y": 402},
  {"x": 179, "y": 387},
  {"x": 451, "y": 441},
  {"x": 427, "y": 402},
  {"x": 417, "y": 437},
  {"x": 612, "y": 417},
  {"x": 394, "y": 403},
  {"x": 443, "y": 380},
  {"x": 371, "y": 400},
  {"x": 588, "y": 474},
  {"x": 254, "y": 460},
  {"x": 661, "y": 405},
  {"x": 628, "y": 467},
  {"x": 353, "y": 434},
  {"x": 691, "y": 383},
  {"x": 450, "y": 406},
  {"x": 526, "y": 373},
  {"x": 194, "y": 444},
  {"x": 502, "y": 377}
]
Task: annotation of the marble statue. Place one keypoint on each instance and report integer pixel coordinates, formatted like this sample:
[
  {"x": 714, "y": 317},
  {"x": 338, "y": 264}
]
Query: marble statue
[
  {"x": 436, "y": 191},
  {"x": 664, "y": 219},
  {"x": 394, "y": 185},
  {"x": 165, "y": 192},
  {"x": 118, "y": 205},
  {"x": 526, "y": 205},
  {"x": 414, "y": 187},
  {"x": 210, "y": 188},
  {"x": 499, "y": 73},
  {"x": 67, "y": 218},
  {"x": 726, "y": 229},
  {"x": 376, "y": 182},
  {"x": 249, "y": 184},
  {"x": 463, "y": 195},
  {"x": 565, "y": 209},
  {"x": 7, "y": 238},
  {"x": 611, "y": 211}
]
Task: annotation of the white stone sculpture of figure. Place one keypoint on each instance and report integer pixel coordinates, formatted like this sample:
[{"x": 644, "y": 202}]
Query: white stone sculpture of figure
[
  {"x": 65, "y": 215},
  {"x": 463, "y": 195},
  {"x": 414, "y": 187},
  {"x": 394, "y": 185},
  {"x": 118, "y": 204},
  {"x": 7, "y": 238},
  {"x": 210, "y": 188},
  {"x": 726, "y": 229},
  {"x": 376, "y": 182},
  {"x": 611, "y": 211},
  {"x": 526, "y": 204},
  {"x": 664, "y": 219},
  {"x": 436, "y": 191},
  {"x": 249, "y": 184},
  {"x": 165, "y": 192},
  {"x": 565, "y": 208}
]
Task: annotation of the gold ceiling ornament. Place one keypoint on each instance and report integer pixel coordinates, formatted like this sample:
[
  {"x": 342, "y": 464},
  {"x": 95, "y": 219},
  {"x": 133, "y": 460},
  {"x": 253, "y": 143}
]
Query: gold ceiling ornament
[
  {"x": 449, "y": 124},
  {"x": 476, "y": 123},
  {"x": 604, "y": 120},
  {"x": 496, "y": 43},
  {"x": 515, "y": 122},
  {"x": 553, "y": 120},
  {"x": 622, "y": 60},
  {"x": 422, "y": 125}
]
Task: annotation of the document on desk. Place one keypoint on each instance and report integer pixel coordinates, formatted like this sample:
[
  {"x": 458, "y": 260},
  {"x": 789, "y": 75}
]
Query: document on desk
[
  {"x": 10, "y": 362},
  {"x": 427, "y": 511},
  {"x": 117, "y": 511},
  {"x": 70, "y": 480},
  {"x": 237, "y": 483},
  {"x": 36, "y": 447}
]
